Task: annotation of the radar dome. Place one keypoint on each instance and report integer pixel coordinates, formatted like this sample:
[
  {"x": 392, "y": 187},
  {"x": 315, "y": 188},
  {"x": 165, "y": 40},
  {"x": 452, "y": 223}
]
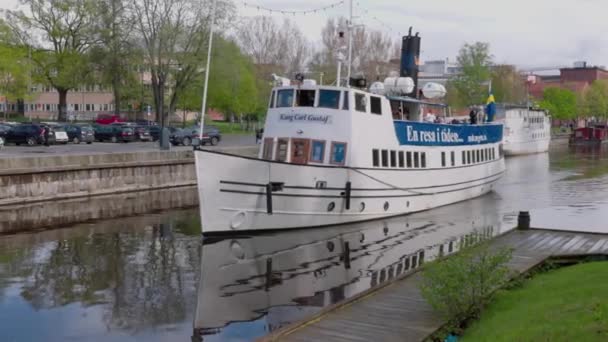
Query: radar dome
[{"x": 433, "y": 90}]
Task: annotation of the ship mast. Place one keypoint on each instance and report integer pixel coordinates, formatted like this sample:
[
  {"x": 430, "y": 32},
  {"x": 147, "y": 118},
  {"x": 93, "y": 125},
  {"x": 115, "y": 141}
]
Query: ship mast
[{"x": 350, "y": 43}]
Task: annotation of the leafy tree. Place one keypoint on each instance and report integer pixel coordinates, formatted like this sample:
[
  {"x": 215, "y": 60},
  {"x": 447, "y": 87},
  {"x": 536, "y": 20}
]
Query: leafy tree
[
  {"x": 596, "y": 99},
  {"x": 475, "y": 61},
  {"x": 507, "y": 84},
  {"x": 561, "y": 103},
  {"x": 459, "y": 286},
  {"x": 61, "y": 33},
  {"x": 14, "y": 67}
]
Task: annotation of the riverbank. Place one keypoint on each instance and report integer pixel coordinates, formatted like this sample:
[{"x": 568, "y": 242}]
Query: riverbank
[{"x": 567, "y": 304}]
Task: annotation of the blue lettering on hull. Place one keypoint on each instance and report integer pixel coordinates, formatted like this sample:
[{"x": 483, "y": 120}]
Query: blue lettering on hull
[{"x": 430, "y": 134}]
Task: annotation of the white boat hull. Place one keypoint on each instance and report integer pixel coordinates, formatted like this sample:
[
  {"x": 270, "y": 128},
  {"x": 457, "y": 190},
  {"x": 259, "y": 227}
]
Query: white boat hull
[
  {"x": 513, "y": 148},
  {"x": 232, "y": 191},
  {"x": 526, "y": 131}
]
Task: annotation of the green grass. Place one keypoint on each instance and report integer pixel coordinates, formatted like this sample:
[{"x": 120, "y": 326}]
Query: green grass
[
  {"x": 567, "y": 304},
  {"x": 230, "y": 128}
]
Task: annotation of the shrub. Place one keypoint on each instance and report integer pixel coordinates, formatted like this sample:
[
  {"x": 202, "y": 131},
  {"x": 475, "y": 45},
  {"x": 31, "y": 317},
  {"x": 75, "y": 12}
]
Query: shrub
[{"x": 458, "y": 286}]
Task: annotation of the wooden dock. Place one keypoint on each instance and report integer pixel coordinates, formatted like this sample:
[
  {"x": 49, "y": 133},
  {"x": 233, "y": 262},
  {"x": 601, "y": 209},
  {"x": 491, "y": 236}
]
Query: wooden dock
[{"x": 397, "y": 312}]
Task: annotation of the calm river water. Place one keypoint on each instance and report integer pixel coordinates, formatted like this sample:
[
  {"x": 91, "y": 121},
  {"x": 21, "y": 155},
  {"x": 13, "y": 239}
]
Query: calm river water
[{"x": 139, "y": 278}]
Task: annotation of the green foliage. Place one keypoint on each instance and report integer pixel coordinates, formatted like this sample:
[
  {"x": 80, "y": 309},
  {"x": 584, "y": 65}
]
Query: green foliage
[
  {"x": 232, "y": 83},
  {"x": 561, "y": 103},
  {"x": 596, "y": 100},
  {"x": 475, "y": 60},
  {"x": 567, "y": 304},
  {"x": 458, "y": 286},
  {"x": 508, "y": 85}
]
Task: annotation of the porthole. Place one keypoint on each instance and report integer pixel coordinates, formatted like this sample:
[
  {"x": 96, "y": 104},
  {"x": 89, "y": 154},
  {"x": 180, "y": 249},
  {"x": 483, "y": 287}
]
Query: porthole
[
  {"x": 331, "y": 206},
  {"x": 330, "y": 246},
  {"x": 386, "y": 206},
  {"x": 408, "y": 204},
  {"x": 361, "y": 206}
]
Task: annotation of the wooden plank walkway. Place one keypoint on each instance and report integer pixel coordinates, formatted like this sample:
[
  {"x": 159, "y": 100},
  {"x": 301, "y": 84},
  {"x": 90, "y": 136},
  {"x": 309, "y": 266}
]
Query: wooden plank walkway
[{"x": 397, "y": 312}]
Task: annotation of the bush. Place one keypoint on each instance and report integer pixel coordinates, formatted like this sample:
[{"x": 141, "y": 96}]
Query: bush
[{"x": 460, "y": 285}]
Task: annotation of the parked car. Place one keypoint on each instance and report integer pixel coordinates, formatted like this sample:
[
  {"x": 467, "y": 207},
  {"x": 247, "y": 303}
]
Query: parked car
[
  {"x": 211, "y": 135},
  {"x": 155, "y": 132},
  {"x": 30, "y": 134},
  {"x": 114, "y": 133},
  {"x": 3, "y": 133},
  {"x": 106, "y": 119},
  {"x": 80, "y": 133},
  {"x": 142, "y": 133},
  {"x": 61, "y": 136}
]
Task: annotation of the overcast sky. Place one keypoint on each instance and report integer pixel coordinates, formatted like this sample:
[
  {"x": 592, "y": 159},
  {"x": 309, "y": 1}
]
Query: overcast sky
[{"x": 528, "y": 33}]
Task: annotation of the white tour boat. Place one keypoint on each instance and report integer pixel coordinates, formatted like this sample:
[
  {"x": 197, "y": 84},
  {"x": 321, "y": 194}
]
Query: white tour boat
[
  {"x": 526, "y": 131},
  {"x": 334, "y": 154}
]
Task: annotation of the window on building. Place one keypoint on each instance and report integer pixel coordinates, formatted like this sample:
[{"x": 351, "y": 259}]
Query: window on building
[
  {"x": 329, "y": 99},
  {"x": 338, "y": 153},
  {"x": 105, "y": 107},
  {"x": 376, "y": 158},
  {"x": 401, "y": 159},
  {"x": 285, "y": 98},
  {"x": 384, "y": 158},
  {"x": 453, "y": 157},
  {"x": 271, "y": 103},
  {"x": 416, "y": 159},
  {"x": 317, "y": 152},
  {"x": 281, "y": 154},
  {"x": 345, "y": 100},
  {"x": 360, "y": 103},
  {"x": 47, "y": 107},
  {"x": 306, "y": 98},
  {"x": 442, "y": 159},
  {"x": 409, "y": 159},
  {"x": 87, "y": 107},
  {"x": 423, "y": 159},
  {"x": 375, "y": 105},
  {"x": 76, "y": 107},
  {"x": 393, "y": 158},
  {"x": 268, "y": 145}
]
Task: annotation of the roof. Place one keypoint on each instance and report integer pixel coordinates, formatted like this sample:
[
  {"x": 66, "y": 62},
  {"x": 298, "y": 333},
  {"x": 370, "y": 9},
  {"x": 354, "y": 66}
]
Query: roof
[{"x": 413, "y": 100}]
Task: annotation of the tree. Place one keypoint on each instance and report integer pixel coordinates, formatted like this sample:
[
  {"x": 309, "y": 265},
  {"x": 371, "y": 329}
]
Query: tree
[
  {"x": 561, "y": 103},
  {"x": 596, "y": 100},
  {"x": 475, "y": 61},
  {"x": 60, "y": 33},
  {"x": 174, "y": 35},
  {"x": 14, "y": 66},
  {"x": 507, "y": 85}
]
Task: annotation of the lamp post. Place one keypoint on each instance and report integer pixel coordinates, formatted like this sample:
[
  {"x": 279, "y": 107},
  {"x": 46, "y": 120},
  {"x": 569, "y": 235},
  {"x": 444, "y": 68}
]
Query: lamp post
[{"x": 204, "y": 105}]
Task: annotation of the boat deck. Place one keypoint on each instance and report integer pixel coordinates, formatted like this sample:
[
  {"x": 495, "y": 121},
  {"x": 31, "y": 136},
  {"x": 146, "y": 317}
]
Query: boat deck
[{"x": 397, "y": 311}]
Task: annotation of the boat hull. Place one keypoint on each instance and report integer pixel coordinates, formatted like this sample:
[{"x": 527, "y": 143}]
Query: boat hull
[
  {"x": 234, "y": 197},
  {"x": 526, "y": 147}
]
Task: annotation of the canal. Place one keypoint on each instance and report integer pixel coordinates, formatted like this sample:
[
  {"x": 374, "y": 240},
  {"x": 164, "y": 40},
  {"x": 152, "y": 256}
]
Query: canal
[{"x": 137, "y": 278}]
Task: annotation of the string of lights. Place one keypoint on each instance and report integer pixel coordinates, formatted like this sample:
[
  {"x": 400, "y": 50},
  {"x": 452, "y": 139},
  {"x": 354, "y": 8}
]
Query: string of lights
[
  {"x": 293, "y": 12},
  {"x": 365, "y": 12}
]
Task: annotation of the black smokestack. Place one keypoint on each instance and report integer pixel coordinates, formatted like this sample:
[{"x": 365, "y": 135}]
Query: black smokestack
[{"x": 410, "y": 54}]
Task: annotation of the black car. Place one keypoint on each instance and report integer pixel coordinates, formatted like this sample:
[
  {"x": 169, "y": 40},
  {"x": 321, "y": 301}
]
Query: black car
[
  {"x": 211, "y": 135},
  {"x": 80, "y": 133},
  {"x": 142, "y": 133},
  {"x": 114, "y": 133},
  {"x": 155, "y": 132},
  {"x": 30, "y": 134}
]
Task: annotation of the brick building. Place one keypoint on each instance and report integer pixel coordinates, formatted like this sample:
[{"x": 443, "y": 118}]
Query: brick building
[{"x": 577, "y": 79}]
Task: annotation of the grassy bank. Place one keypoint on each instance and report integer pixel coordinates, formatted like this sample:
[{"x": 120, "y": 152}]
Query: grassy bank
[{"x": 567, "y": 304}]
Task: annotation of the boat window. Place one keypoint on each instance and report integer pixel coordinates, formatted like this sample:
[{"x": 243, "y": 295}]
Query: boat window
[
  {"x": 443, "y": 159},
  {"x": 384, "y": 158},
  {"x": 423, "y": 159},
  {"x": 317, "y": 153},
  {"x": 393, "y": 158},
  {"x": 345, "y": 100},
  {"x": 376, "y": 158},
  {"x": 338, "y": 153},
  {"x": 306, "y": 98},
  {"x": 401, "y": 159},
  {"x": 329, "y": 99},
  {"x": 453, "y": 158},
  {"x": 464, "y": 161},
  {"x": 271, "y": 105},
  {"x": 376, "y": 105},
  {"x": 478, "y": 156},
  {"x": 281, "y": 154},
  {"x": 468, "y": 157},
  {"x": 285, "y": 98},
  {"x": 409, "y": 159},
  {"x": 416, "y": 159},
  {"x": 268, "y": 145},
  {"x": 360, "y": 103}
]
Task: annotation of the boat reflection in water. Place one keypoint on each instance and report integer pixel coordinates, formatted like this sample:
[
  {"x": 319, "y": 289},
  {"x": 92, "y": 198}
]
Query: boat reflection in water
[{"x": 252, "y": 285}]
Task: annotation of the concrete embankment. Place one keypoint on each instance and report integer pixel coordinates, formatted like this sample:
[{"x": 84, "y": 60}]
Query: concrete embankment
[{"x": 60, "y": 177}]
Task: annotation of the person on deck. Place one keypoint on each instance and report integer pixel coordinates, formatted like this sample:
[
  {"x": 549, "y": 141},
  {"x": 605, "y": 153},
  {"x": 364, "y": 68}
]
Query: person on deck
[{"x": 473, "y": 117}]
